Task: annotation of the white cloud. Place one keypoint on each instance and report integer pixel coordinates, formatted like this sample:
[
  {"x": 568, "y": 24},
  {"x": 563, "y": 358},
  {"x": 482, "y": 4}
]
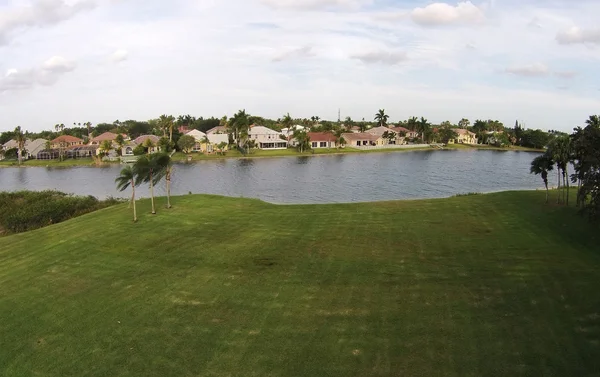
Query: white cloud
[
  {"x": 314, "y": 4},
  {"x": 295, "y": 53},
  {"x": 566, "y": 74},
  {"x": 444, "y": 14},
  {"x": 578, "y": 35},
  {"x": 40, "y": 13},
  {"x": 47, "y": 74},
  {"x": 382, "y": 57},
  {"x": 119, "y": 56},
  {"x": 532, "y": 70}
]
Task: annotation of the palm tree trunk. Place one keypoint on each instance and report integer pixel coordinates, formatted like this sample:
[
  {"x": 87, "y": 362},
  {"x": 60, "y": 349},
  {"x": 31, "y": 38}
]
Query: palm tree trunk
[
  {"x": 558, "y": 188},
  {"x": 152, "y": 194},
  {"x": 133, "y": 200},
  {"x": 169, "y": 188},
  {"x": 19, "y": 156},
  {"x": 567, "y": 180},
  {"x": 170, "y": 134}
]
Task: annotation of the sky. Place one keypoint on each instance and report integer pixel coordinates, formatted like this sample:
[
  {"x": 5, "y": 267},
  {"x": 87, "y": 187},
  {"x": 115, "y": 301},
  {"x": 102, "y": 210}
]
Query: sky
[{"x": 101, "y": 60}]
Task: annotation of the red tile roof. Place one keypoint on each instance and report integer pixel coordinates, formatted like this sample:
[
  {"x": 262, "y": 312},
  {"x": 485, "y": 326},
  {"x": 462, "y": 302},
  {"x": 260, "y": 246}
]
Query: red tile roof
[
  {"x": 105, "y": 136},
  {"x": 360, "y": 136},
  {"x": 66, "y": 139},
  {"x": 321, "y": 136},
  {"x": 400, "y": 129}
]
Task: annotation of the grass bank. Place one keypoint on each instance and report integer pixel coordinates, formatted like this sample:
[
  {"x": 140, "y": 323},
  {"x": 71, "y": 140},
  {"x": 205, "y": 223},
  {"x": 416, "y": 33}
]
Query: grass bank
[
  {"x": 492, "y": 148},
  {"x": 483, "y": 285}
]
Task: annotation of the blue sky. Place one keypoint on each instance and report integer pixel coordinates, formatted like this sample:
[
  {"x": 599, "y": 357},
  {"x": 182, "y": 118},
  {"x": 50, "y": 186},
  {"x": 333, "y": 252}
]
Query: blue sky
[{"x": 101, "y": 60}]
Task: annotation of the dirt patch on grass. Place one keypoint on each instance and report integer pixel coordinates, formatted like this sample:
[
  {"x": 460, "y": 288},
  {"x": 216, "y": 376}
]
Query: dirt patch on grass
[{"x": 265, "y": 262}]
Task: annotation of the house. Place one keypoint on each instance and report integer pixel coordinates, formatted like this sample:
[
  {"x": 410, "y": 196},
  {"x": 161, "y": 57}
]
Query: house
[
  {"x": 362, "y": 139},
  {"x": 217, "y": 130},
  {"x": 266, "y": 138},
  {"x": 382, "y": 130},
  {"x": 322, "y": 140},
  {"x": 355, "y": 129},
  {"x": 184, "y": 129},
  {"x": 127, "y": 149},
  {"x": 213, "y": 141},
  {"x": 287, "y": 132},
  {"x": 106, "y": 136},
  {"x": 406, "y": 132},
  {"x": 465, "y": 136},
  {"x": 199, "y": 137},
  {"x": 65, "y": 141},
  {"x": 142, "y": 140},
  {"x": 30, "y": 150}
]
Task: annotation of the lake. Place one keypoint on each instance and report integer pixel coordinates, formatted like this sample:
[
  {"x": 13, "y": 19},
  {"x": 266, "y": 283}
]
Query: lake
[{"x": 314, "y": 179}]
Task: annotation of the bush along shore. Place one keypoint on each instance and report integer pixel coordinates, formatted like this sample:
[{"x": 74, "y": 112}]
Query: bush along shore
[{"x": 22, "y": 211}]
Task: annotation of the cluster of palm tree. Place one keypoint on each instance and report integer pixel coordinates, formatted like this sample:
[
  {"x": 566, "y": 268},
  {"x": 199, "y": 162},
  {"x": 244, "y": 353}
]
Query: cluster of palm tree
[
  {"x": 21, "y": 139},
  {"x": 149, "y": 169},
  {"x": 582, "y": 151}
]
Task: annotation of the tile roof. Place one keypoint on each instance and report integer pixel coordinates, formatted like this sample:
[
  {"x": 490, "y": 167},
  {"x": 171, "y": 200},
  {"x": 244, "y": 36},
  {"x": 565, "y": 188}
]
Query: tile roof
[
  {"x": 321, "y": 136},
  {"x": 140, "y": 140},
  {"x": 110, "y": 136},
  {"x": 360, "y": 136},
  {"x": 66, "y": 138}
]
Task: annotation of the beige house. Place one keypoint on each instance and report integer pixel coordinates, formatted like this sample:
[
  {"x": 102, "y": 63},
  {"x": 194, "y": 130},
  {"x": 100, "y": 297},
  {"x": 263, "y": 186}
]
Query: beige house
[
  {"x": 266, "y": 138},
  {"x": 363, "y": 139},
  {"x": 464, "y": 137},
  {"x": 408, "y": 133},
  {"x": 199, "y": 136},
  {"x": 213, "y": 141},
  {"x": 66, "y": 141}
]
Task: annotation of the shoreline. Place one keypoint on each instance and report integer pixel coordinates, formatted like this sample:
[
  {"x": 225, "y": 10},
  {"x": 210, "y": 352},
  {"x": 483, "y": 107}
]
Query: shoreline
[{"x": 181, "y": 158}]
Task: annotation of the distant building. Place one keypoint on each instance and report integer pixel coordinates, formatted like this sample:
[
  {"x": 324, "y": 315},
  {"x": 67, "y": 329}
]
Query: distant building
[
  {"x": 217, "y": 130},
  {"x": 322, "y": 140},
  {"x": 66, "y": 141},
  {"x": 266, "y": 138}
]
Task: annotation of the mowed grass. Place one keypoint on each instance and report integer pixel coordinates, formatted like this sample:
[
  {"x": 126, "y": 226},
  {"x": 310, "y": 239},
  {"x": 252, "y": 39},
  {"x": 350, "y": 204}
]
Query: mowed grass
[{"x": 486, "y": 285}]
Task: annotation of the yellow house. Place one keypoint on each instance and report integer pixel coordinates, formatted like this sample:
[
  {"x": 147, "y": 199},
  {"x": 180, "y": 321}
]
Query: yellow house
[
  {"x": 464, "y": 137},
  {"x": 213, "y": 141}
]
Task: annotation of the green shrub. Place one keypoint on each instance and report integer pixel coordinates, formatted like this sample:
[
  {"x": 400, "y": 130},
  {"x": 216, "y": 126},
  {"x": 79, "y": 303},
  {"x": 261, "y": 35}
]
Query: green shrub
[{"x": 27, "y": 210}]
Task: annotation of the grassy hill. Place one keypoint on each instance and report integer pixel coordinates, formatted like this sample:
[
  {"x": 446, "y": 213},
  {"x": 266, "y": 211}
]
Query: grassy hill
[{"x": 486, "y": 285}]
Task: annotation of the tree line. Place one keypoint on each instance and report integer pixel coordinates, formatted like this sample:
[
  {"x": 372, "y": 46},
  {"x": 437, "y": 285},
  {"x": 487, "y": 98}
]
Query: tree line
[{"x": 579, "y": 151}]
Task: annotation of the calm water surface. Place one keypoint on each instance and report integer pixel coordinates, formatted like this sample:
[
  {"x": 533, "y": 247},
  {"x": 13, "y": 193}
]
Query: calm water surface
[{"x": 321, "y": 179}]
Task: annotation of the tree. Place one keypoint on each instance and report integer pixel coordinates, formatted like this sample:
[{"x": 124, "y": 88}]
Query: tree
[
  {"x": 287, "y": 121},
  {"x": 221, "y": 147},
  {"x": 541, "y": 165},
  {"x": 464, "y": 123},
  {"x": 120, "y": 141},
  {"x": 150, "y": 169},
  {"x": 105, "y": 148},
  {"x": 424, "y": 127},
  {"x": 20, "y": 138},
  {"x": 586, "y": 147},
  {"x": 166, "y": 122},
  {"x": 446, "y": 134},
  {"x": 148, "y": 145},
  {"x": 239, "y": 124},
  {"x": 381, "y": 118},
  {"x": 302, "y": 139},
  {"x": 561, "y": 152},
  {"x": 127, "y": 179},
  {"x": 186, "y": 143}
]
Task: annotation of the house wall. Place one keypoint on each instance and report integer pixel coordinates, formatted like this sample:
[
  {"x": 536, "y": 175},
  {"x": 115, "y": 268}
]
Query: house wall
[{"x": 322, "y": 144}]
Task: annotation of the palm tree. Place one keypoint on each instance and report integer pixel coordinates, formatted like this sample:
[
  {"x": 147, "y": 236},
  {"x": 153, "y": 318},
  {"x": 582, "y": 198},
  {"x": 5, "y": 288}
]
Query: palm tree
[
  {"x": 287, "y": 122},
  {"x": 149, "y": 144},
  {"x": 464, "y": 123},
  {"x": 120, "y": 141},
  {"x": 561, "y": 151},
  {"x": 166, "y": 123},
  {"x": 423, "y": 127},
  {"x": 106, "y": 147},
  {"x": 165, "y": 165},
  {"x": 150, "y": 169},
  {"x": 206, "y": 142},
  {"x": 381, "y": 118},
  {"x": 20, "y": 138},
  {"x": 542, "y": 165},
  {"x": 125, "y": 180},
  {"x": 239, "y": 124}
]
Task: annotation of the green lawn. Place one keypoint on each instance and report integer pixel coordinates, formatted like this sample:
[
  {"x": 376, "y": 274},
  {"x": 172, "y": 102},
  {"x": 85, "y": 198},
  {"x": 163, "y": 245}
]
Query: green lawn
[
  {"x": 53, "y": 163},
  {"x": 485, "y": 285}
]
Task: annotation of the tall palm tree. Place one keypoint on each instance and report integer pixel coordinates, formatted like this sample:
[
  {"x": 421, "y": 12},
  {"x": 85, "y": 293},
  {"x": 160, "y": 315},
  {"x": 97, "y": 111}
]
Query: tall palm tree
[
  {"x": 423, "y": 127},
  {"x": 20, "y": 138},
  {"x": 239, "y": 124},
  {"x": 542, "y": 165},
  {"x": 165, "y": 167},
  {"x": 125, "y": 180},
  {"x": 120, "y": 141},
  {"x": 287, "y": 122},
  {"x": 166, "y": 123},
  {"x": 150, "y": 169},
  {"x": 381, "y": 118}
]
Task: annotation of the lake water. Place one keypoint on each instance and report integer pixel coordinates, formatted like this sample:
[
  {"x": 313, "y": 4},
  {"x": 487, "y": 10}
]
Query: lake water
[{"x": 318, "y": 179}]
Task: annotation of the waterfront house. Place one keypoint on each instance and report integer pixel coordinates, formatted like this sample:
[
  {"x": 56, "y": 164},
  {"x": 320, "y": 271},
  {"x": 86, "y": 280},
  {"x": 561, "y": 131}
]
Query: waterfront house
[
  {"x": 107, "y": 136},
  {"x": 199, "y": 138},
  {"x": 142, "y": 140},
  {"x": 465, "y": 136},
  {"x": 128, "y": 148},
  {"x": 30, "y": 150},
  {"x": 66, "y": 142},
  {"x": 380, "y": 131},
  {"x": 217, "y": 130},
  {"x": 266, "y": 138},
  {"x": 406, "y": 132},
  {"x": 213, "y": 141},
  {"x": 322, "y": 140},
  {"x": 362, "y": 139}
]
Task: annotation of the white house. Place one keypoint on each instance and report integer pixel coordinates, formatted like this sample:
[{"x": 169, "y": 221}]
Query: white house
[
  {"x": 465, "y": 136},
  {"x": 266, "y": 138},
  {"x": 32, "y": 147},
  {"x": 199, "y": 137}
]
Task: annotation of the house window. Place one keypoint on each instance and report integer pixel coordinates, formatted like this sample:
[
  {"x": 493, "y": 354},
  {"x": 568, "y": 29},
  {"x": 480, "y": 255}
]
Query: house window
[
  {"x": 323, "y": 144},
  {"x": 358, "y": 143},
  {"x": 314, "y": 144}
]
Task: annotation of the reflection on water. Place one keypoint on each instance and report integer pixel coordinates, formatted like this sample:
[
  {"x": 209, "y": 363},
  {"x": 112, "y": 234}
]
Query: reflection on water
[{"x": 307, "y": 179}]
